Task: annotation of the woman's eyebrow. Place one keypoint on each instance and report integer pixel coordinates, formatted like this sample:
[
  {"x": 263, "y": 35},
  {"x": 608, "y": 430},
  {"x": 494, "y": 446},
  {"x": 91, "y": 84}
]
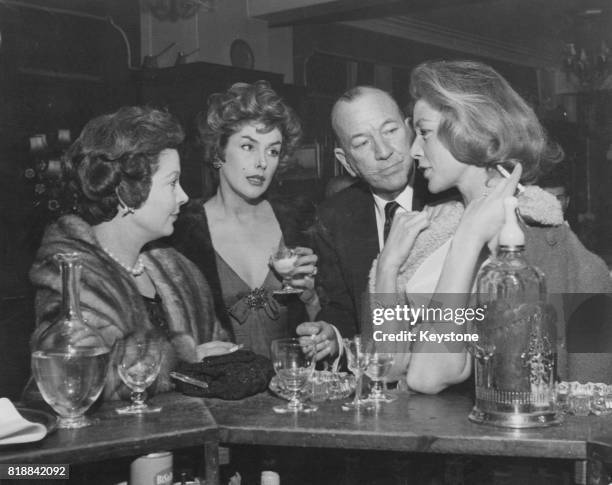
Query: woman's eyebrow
[
  {"x": 420, "y": 121},
  {"x": 173, "y": 174}
]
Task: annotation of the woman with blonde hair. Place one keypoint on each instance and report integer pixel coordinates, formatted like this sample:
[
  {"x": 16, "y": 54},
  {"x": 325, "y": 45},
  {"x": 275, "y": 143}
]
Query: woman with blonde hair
[{"x": 471, "y": 125}]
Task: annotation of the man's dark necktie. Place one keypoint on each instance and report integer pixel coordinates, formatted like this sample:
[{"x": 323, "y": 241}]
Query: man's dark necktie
[{"x": 390, "y": 208}]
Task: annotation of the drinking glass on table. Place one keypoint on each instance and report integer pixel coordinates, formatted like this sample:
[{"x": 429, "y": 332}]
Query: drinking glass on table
[
  {"x": 356, "y": 360},
  {"x": 284, "y": 262},
  {"x": 377, "y": 367},
  {"x": 138, "y": 360},
  {"x": 293, "y": 367}
]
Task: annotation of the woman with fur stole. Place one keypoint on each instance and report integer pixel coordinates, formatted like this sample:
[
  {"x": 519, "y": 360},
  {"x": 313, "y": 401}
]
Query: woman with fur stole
[{"x": 124, "y": 173}]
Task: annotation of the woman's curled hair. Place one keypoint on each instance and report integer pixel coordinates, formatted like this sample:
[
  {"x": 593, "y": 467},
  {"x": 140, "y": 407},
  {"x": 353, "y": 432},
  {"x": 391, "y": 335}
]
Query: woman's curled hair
[
  {"x": 114, "y": 158},
  {"x": 242, "y": 104},
  {"x": 484, "y": 121}
]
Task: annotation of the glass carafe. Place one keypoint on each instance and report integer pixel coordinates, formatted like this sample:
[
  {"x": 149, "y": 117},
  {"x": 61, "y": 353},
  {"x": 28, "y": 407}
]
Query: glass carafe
[
  {"x": 515, "y": 356},
  {"x": 69, "y": 359}
]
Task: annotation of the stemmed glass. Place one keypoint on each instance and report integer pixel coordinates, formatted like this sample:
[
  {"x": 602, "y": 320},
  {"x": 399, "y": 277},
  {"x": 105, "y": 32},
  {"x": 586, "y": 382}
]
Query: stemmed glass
[
  {"x": 356, "y": 360},
  {"x": 377, "y": 367},
  {"x": 138, "y": 362},
  {"x": 293, "y": 367},
  {"x": 284, "y": 262}
]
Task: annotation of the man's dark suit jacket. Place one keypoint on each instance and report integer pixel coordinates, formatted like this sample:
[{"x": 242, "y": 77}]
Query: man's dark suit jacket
[{"x": 345, "y": 238}]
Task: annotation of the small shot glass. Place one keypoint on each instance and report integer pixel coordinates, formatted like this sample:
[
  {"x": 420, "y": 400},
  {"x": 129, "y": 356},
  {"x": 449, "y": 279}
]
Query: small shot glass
[
  {"x": 598, "y": 401},
  {"x": 562, "y": 397},
  {"x": 580, "y": 400},
  {"x": 608, "y": 398}
]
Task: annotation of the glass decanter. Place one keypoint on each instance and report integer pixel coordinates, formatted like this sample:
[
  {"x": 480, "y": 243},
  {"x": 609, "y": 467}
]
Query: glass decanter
[
  {"x": 515, "y": 356},
  {"x": 69, "y": 359}
]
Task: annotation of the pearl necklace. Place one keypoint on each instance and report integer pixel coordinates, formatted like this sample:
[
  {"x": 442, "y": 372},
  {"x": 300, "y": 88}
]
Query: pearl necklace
[{"x": 135, "y": 270}]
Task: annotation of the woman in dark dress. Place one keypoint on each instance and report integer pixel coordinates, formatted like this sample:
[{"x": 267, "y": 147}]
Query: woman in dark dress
[{"x": 246, "y": 133}]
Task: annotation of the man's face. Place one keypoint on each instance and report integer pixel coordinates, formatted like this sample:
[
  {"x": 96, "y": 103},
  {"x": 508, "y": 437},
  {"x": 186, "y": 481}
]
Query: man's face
[{"x": 375, "y": 141}]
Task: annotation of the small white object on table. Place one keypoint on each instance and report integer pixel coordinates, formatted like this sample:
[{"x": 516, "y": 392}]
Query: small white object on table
[{"x": 14, "y": 428}]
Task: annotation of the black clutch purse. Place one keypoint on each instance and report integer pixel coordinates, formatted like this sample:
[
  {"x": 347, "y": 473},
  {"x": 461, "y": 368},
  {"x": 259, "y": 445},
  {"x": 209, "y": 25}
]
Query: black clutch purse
[{"x": 230, "y": 376}]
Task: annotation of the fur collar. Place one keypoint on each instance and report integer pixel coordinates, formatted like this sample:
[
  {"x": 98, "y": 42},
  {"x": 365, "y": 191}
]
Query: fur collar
[
  {"x": 111, "y": 302},
  {"x": 536, "y": 206}
]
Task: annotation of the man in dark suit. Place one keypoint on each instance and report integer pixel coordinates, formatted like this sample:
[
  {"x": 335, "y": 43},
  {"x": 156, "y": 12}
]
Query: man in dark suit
[{"x": 374, "y": 145}]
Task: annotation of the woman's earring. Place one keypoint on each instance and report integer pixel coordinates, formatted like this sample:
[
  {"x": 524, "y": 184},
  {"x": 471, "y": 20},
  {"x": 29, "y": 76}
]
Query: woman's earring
[
  {"x": 217, "y": 162},
  {"x": 126, "y": 209}
]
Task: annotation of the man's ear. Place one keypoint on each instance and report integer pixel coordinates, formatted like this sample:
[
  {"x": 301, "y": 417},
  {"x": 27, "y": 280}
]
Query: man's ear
[{"x": 341, "y": 157}]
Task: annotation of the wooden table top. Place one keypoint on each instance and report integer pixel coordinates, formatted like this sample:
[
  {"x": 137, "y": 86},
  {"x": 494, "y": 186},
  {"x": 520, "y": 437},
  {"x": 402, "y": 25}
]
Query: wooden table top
[
  {"x": 183, "y": 421},
  {"x": 413, "y": 423}
]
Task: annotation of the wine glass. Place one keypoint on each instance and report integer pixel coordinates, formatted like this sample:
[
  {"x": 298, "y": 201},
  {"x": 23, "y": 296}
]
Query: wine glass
[
  {"x": 293, "y": 368},
  {"x": 356, "y": 361},
  {"x": 377, "y": 367},
  {"x": 138, "y": 362},
  {"x": 284, "y": 262}
]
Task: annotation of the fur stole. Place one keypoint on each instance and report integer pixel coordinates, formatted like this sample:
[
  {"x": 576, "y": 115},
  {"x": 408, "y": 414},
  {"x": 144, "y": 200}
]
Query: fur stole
[
  {"x": 439, "y": 231},
  {"x": 535, "y": 205},
  {"x": 111, "y": 302}
]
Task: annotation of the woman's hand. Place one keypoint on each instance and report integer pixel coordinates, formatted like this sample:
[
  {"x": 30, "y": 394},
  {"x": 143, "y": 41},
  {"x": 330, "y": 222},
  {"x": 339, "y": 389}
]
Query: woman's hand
[
  {"x": 484, "y": 216},
  {"x": 319, "y": 337},
  {"x": 216, "y": 347},
  {"x": 304, "y": 273},
  {"x": 404, "y": 231}
]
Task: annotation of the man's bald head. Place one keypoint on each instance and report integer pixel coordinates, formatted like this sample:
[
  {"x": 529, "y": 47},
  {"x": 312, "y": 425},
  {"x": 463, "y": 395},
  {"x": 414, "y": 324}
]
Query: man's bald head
[
  {"x": 352, "y": 95},
  {"x": 374, "y": 140}
]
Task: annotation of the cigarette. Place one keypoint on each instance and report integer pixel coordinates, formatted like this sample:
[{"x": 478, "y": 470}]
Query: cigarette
[
  {"x": 519, "y": 187},
  {"x": 314, "y": 345}
]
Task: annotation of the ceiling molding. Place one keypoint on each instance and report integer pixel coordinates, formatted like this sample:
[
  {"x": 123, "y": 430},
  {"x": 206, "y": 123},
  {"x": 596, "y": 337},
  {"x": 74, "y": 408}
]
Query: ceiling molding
[
  {"x": 280, "y": 13},
  {"x": 428, "y": 33}
]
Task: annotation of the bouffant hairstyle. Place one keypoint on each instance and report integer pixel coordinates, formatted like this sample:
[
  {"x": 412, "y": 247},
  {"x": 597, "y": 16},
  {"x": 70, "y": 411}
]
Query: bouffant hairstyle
[
  {"x": 484, "y": 121},
  {"x": 243, "y": 104},
  {"x": 114, "y": 158}
]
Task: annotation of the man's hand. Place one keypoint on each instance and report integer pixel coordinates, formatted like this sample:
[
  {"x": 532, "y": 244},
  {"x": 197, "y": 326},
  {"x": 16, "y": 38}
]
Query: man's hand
[{"x": 319, "y": 338}]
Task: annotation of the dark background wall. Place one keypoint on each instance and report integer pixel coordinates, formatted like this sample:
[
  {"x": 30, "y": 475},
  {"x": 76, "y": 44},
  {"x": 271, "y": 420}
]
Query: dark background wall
[{"x": 56, "y": 72}]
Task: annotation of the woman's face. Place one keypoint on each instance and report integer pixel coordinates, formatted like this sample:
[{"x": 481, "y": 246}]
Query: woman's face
[
  {"x": 156, "y": 216},
  {"x": 250, "y": 160},
  {"x": 441, "y": 169}
]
